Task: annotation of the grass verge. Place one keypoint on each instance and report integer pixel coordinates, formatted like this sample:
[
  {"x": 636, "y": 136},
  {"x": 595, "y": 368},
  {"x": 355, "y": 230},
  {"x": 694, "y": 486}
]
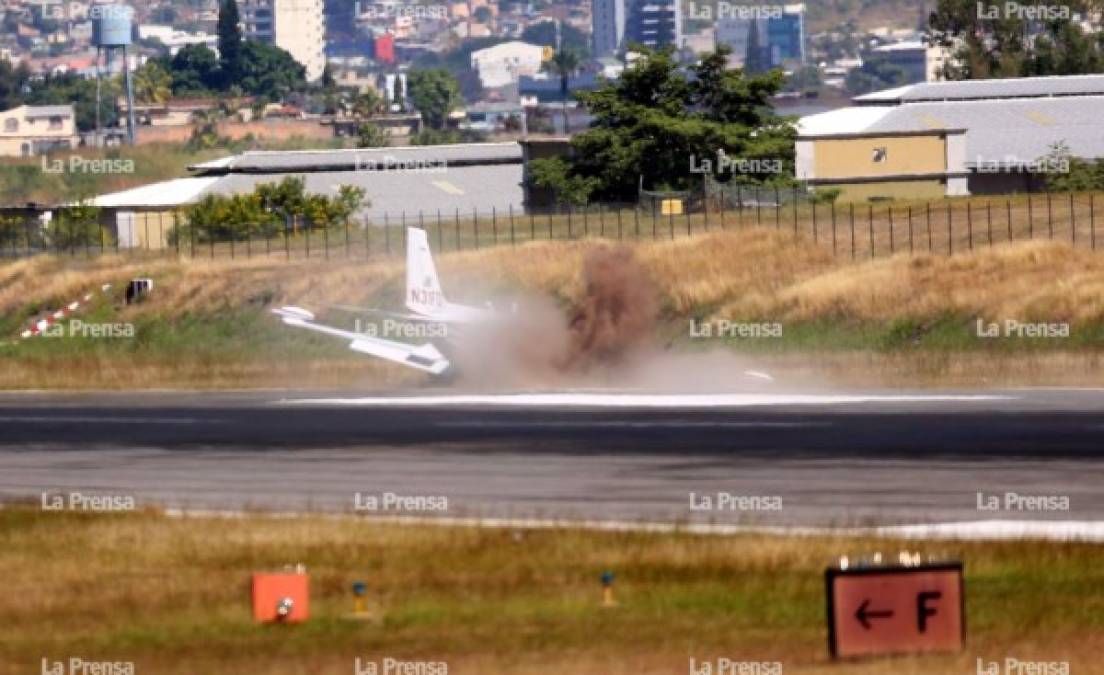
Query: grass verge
[{"x": 171, "y": 595}]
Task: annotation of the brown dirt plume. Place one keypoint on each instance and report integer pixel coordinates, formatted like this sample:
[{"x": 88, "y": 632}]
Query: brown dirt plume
[{"x": 616, "y": 315}]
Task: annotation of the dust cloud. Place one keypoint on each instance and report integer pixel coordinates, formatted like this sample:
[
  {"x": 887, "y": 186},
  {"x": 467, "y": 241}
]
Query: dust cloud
[{"x": 607, "y": 337}]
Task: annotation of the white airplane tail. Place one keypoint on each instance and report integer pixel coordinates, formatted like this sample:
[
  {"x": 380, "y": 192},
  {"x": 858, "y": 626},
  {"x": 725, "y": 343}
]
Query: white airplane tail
[{"x": 423, "y": 287}]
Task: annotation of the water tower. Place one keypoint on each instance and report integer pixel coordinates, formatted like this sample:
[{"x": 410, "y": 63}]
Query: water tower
[{"x": 111, "y": 31}]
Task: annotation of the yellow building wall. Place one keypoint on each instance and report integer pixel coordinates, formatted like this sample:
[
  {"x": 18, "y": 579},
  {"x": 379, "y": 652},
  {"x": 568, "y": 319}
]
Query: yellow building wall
[
  {"x": 854, "y": 157},
  {"x": 927, "y": 189}
]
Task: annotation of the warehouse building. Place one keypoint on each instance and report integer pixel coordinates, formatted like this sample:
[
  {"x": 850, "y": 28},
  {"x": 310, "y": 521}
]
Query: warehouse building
[
  {"x": 936, "y": 139},
  {"x": 398, "y": 182}
]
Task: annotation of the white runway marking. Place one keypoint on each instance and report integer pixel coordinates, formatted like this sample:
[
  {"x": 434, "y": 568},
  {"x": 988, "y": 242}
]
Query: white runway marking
[
  {"x": 1090, "y": 531},
  {"x": 615, "y": 400},
  {"x": 628, "y": 425}
]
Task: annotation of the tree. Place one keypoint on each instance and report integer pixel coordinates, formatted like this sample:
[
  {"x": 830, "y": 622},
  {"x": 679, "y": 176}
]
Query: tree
[
  {"x": 366, "y": 104},
  {"x": 657, "y": 121},
  {"x": 754, "y": 61},
  {"x": 268, "y": 71},
  {"x": 435, "y": 94},
  {"x": 989, "y": 41},
  {"x": 229, "y": 40},
  {"x": 372, "y": 136},
  {"x": 564, "y": 64},
  {"x": 12, "y": 81},
  {"x": 397, "y": 93},
  {"x": 195, "y": 69},
  {"x": 544, "y": 34},
  {"x": 152, "y": 83}
]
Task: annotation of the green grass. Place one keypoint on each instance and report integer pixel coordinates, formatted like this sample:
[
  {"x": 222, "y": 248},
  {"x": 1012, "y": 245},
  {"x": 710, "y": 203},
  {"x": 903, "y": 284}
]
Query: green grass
[{"x": 172, "y": 594}]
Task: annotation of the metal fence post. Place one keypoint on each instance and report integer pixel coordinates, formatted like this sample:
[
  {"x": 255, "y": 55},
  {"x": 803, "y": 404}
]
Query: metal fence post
[
  {"x": 989, "y": 222},
  {"x": 1092, "y": 220},
  {"x": 794, "y": 195},
  {"x": 852, "y": 210},
  {"x": 870, "y": 220},
  {"x": 950, "y": 229},
  {"x": 1050, "y": 217},
  {"x": 928, "y": 205},
  {"x": 889, "y": 211},
  {"x": 911, "y": 247},
  {"x": 1073, "y": 220},
  {"x": 970, "y": 225}
]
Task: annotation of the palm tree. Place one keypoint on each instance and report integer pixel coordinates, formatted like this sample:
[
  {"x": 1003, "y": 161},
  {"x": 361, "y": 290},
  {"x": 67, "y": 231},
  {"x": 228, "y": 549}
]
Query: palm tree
[
  {"x": 152, "y": 84},
  {"x": 565, "y": 63}
]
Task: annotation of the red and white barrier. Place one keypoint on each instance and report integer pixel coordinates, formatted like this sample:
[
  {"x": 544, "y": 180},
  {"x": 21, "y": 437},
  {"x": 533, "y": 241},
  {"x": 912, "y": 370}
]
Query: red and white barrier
[{"x": 40, "y": 326}]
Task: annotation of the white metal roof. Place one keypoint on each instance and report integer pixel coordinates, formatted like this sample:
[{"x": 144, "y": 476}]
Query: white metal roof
[{"x": 167, "y": 193}]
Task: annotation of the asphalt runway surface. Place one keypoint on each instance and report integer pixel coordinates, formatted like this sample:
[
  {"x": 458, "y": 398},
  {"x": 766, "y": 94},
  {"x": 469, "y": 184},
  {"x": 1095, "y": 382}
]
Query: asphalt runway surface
[{"x": 774, "y": 459}]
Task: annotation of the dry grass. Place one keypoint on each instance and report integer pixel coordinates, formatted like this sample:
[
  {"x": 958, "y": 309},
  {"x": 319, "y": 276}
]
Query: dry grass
[
  {"x": 751, "y": 274},
  {"x": 172, "y": 595}
]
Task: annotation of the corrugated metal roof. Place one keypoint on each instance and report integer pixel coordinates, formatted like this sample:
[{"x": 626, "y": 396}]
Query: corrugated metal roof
[
  {"x": 1022, "y": 129},
  {"x": 362, "y": 159},
  {"x": 1016, "y": 87},
  {"x": 465, "y": 188}
]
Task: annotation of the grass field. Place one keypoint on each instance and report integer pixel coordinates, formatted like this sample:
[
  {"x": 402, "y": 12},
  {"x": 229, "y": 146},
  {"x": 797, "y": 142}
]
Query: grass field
[
  {"x": 171, "y": 595},
  {"x": 891, "y": 320}
]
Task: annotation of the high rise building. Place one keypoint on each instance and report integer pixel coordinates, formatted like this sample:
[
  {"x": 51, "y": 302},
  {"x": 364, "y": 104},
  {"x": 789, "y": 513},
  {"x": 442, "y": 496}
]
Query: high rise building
[
  {"x": 654, "y": 23},
  {"x": 608, "y": 18},
  {"x": 618, "y": 23},
  {"x": 296, "y": 26}
]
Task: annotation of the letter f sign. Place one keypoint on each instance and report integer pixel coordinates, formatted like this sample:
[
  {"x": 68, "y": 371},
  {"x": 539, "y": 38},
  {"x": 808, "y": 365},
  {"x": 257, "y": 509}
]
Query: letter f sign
[{"x": 923, "y": 611}]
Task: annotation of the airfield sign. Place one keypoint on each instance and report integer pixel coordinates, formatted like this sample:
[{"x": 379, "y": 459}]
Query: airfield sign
[{"x": 895, "y": 609}]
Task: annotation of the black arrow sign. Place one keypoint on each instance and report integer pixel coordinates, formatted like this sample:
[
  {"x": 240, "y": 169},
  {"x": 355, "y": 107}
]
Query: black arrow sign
[{"x": 863, "y": 615}]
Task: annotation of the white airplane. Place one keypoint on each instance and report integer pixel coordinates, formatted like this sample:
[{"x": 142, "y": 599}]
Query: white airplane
[{"x": 425, "y": 302}]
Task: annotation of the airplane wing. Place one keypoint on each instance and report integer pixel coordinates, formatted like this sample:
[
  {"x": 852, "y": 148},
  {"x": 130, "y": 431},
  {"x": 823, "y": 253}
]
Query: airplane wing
[{"x": 420, "y": 357}]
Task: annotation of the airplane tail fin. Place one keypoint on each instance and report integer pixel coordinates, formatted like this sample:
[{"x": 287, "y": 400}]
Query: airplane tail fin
[{"x": 423, "y": 288}]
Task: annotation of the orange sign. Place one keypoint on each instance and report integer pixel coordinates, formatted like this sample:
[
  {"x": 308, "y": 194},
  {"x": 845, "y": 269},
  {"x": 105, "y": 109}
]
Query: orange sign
[
  {"x": 895, "y": 610},
  {"x": 283, "y": 598}
]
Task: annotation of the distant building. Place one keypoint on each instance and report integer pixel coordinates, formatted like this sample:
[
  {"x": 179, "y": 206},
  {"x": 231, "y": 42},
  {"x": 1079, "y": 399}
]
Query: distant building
[
  {"x": 296, "y": 26},
  {"x": 618, "y": 23},
  {"x": 781, "y": 33},
  {"x": 921, "y": 62},
  {"x": 504, "y": 64},
  {"x": 936, "y": 139},
  {"x": 383, "y": 48},
  {"x": 397, "y": 182},
  {"x": 608, "y": 27},
  {"x": 27, "y": 131},
  {"x": 654, "y": 23}
]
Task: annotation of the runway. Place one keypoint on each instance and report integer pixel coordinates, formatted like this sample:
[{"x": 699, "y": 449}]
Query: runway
[{"x": 804, "y": 459}]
